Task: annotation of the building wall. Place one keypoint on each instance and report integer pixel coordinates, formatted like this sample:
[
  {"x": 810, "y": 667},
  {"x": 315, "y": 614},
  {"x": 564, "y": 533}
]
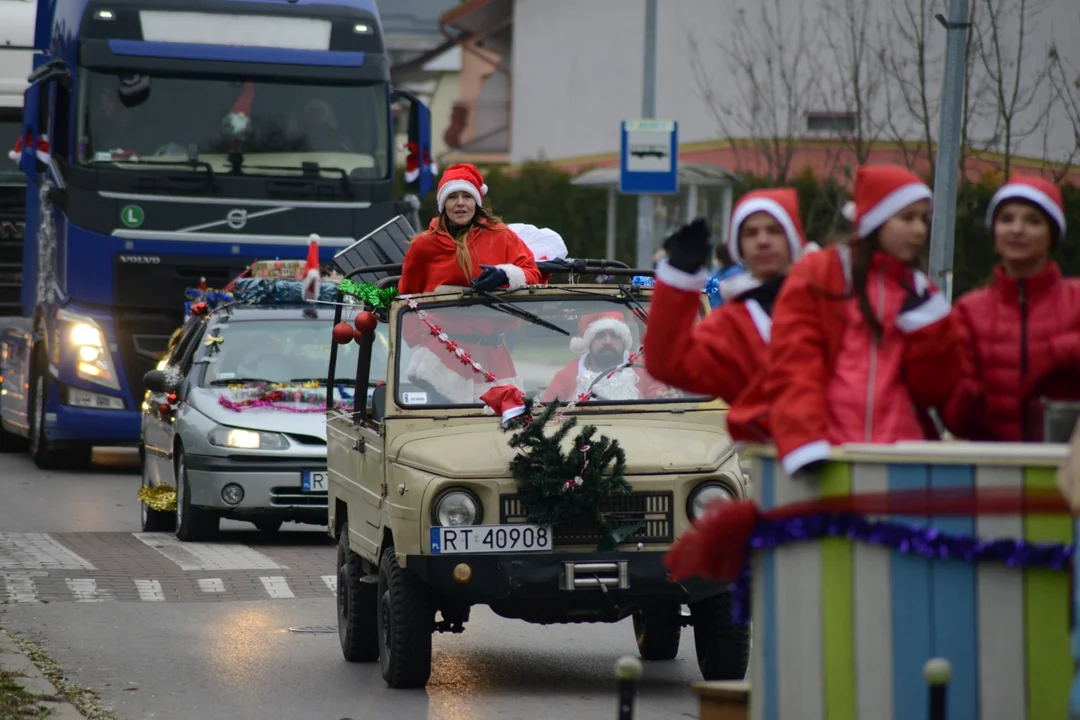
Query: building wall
[{"x": 578, "y": 69}]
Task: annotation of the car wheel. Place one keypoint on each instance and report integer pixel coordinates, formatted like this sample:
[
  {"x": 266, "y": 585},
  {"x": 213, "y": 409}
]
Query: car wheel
[
  {"x": 723, "y": 647},
  {"x": 406, "y": 622},
  {"x": 192, "y": 523},
  {"x": 45, "y": 455},
  {"x": 357, "y": 605},
  {"x": 154, "y": 520},
  {"x": 658, "y": 629},
  {"x": 267, "y": 525}
]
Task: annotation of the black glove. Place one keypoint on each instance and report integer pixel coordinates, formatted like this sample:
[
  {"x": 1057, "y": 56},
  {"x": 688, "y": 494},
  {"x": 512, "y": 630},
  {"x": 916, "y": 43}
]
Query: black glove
[
  {"x": 914, "y": 299},
  {"x": 688, "y": 247},
  {"x": 491, "y": 279}
]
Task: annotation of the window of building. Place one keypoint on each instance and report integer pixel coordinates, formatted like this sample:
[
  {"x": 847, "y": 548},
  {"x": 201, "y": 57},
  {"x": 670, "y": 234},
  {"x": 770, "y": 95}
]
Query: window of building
[{"x": 837, "y": 123}]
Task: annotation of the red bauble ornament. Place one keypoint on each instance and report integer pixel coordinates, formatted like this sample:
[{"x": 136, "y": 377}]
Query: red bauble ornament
[
  {"x": 199, "y": 309},
  {"x": 171, "y": 397},
  {"x": 343, "y": 333},
  {"x": 366, "y": 322},
  {"x": 164, "y": 408}
]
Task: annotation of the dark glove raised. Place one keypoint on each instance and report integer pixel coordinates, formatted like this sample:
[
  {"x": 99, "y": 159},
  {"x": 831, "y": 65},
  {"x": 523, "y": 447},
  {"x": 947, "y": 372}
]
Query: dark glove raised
[
  {"x": 914, "y": 300},
  {"x": 492, "y": 278},
  {"x": 688, "y": 247}
]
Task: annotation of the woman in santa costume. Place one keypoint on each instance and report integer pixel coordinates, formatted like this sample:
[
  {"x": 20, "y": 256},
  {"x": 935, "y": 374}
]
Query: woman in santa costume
[
  {"x": 1021, "y": 332},
  {"x": 862, "y": 344},
  {"x": 722, "y": 354},
  {"x": 464, "y": 246}
]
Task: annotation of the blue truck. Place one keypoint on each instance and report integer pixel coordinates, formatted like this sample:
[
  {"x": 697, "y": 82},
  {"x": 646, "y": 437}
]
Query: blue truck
[{"x": 164, "y": 141}]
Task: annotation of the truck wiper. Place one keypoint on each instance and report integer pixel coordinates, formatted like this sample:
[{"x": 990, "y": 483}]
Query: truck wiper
[
  {"x": 309, "y": 170},
  {"x": 233, "y": 381},
  {"x": 323, "y": 381},
  {"x": 211, "y": 179},
  {"x": 502, "y": 306}
]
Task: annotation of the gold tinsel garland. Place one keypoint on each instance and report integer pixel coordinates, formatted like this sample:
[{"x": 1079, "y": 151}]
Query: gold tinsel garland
[{"x": 161, "y": 498}]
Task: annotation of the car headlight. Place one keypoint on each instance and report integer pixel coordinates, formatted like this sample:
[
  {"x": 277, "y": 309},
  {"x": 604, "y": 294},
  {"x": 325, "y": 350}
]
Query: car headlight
[
  {"x": 704, "y": 494},
  {"x": 247, "y": 439},
  {"x": 93, "y": 361},
  {"x": 456, "y": 507}
]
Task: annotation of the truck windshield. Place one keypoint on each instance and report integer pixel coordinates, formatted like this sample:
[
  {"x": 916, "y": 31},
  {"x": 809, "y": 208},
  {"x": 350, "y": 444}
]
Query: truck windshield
[
  {"x": 271, "y": 123},
  {"x": 10, "y": 126},
  {"x": 595, "y": 359}
]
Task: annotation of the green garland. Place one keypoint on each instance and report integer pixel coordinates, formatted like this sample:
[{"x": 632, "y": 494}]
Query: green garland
[
  {"x": 542, "y": 471},
  {"x": 368, "y": 293}
]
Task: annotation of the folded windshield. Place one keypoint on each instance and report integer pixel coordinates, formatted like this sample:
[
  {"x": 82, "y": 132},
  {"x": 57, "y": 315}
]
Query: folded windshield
[
  {"x": 271, "y": 124},
  {"x": 587, "y": 345}
]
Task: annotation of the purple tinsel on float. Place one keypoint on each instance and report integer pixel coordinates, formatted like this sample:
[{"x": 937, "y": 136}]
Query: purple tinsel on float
[{"x": 925, "y": 542}]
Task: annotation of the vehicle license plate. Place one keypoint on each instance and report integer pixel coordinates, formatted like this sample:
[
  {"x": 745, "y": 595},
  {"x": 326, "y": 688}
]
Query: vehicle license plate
[
  {"x": 313, "y": 481},
  {"x": 489, "y": 539}
]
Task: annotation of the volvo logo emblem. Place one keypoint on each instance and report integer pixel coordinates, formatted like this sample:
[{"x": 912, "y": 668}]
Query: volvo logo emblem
[{"x": 236, "y": 218}]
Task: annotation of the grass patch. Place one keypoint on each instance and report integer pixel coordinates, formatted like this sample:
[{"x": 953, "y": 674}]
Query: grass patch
[
  {"x": 86, "y": 701},
  {"x": 16, "y": 703}
]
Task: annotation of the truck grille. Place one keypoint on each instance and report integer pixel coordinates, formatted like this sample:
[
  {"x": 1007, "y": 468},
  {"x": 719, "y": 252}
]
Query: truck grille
[
  {"x": 655, "y": 508},
  {"x": 142, "y": 338},
  {"x": 294, "y": 496}
]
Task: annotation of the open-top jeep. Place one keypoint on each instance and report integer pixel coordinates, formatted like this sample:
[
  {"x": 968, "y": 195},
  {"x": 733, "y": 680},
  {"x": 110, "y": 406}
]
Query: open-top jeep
[{"x": 425, "y": 507}]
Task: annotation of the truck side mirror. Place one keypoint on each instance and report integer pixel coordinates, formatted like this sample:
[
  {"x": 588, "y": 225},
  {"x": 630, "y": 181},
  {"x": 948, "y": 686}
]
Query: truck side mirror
[
  {"x": 420, "y": 168},
  {"x": 156, "y": 382}
]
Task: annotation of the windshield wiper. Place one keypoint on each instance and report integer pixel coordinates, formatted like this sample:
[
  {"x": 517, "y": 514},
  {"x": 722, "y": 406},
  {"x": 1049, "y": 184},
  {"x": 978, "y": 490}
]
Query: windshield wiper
[
  {"x": 309, "y": 170},
  {"x": 323, "y": 381},
  {"x": 233, "y": 381},
  {"x": 635, "y": 305},
  {"x": 211, "y": 179},
  {"x": 511, "y": 309}
]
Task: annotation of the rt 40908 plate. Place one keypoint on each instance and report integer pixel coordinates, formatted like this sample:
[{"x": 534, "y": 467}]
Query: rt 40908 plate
[{"x": 490, "y": 539}]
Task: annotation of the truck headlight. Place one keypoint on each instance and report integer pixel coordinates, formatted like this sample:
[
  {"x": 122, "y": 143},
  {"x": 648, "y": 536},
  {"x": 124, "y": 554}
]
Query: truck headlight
[
  {"x": 704, "y": 494},
  {"x": 93, "y": 361},
  {"x": 456, "y": 507},
  {"x": 247, "y": 439}
]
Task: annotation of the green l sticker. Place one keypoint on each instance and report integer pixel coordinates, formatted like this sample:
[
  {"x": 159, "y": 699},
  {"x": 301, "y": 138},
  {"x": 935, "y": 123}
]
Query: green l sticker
[{"x": 132, "y": 216}]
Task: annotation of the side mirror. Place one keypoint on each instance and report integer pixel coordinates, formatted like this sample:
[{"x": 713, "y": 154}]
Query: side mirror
[
  {"x": 420, "y": 168},
  {"x": 156, "y": 382},
  {"x": 134, "y": 90}
]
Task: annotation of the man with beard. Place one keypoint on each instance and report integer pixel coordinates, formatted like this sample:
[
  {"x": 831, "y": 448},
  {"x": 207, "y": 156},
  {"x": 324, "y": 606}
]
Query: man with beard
[{"x": 603, "y": 344}]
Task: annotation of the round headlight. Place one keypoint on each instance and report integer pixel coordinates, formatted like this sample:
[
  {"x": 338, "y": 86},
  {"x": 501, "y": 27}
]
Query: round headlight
[
  {"x": 456, "y": 507},
  {"x": 705, "y": 494}
]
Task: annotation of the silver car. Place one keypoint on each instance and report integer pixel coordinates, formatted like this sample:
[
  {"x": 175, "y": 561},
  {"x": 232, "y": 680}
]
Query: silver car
[{"x": 233, "y": 419}]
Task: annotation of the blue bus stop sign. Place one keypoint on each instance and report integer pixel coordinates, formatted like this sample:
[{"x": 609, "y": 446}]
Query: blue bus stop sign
[{"x": 649, "y": 161}]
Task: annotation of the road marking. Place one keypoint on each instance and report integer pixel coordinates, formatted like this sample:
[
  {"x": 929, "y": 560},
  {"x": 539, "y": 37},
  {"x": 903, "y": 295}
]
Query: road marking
[
  {"x": 277, "y": 587},
  {"x": 19, "y": 587},
  {"x": 86, "y": 590},
  {"x": 37, "y": 551},
  {"x": 211, "y": 585},
  {"x": 331, "y": 582},
  {"x": 150, "y": 590},
  {"x": 207, "y": 556}
]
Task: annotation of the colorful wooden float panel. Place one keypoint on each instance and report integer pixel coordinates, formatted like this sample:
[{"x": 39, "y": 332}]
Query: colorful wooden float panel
[{"x": 842, "y": 629}]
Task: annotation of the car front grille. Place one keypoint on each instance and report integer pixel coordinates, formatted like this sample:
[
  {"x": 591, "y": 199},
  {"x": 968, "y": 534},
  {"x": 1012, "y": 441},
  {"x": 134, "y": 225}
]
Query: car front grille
[
  {"x": 294, "y": 496},
  {"x": 655, "y": 508}
]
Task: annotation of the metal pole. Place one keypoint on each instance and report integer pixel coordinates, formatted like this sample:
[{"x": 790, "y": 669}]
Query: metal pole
[
  {"x": 612, "y": 206},
  {"x": 943, "y": 230},
  {"x": 645, "y": 245},
  {"x": 938, "y": 672}
]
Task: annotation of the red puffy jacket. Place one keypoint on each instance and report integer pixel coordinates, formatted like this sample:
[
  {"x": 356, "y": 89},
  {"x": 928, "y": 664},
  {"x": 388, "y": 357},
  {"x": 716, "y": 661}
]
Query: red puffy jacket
[{"x": 1022, "y": 341}]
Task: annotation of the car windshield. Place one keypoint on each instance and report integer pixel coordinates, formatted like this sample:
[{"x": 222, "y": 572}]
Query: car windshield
[
  {"x": 602, "y": 335},
  {"x": 289, "y": 123},
  {"x": 292, "y": 353}
]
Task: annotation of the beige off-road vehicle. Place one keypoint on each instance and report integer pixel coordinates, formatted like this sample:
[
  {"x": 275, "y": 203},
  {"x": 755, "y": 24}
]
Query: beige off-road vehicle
[{"x": 425, "y": 509}]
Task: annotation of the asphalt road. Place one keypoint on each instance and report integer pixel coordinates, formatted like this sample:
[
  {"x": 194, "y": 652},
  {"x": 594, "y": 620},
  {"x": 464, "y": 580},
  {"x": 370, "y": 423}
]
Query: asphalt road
[{"x": 205, "y": 632}]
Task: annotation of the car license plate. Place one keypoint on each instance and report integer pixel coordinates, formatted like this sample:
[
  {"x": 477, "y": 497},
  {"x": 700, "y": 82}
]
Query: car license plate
[
  {"x": 490, "y": 539},
  {"x": 313, "y": 481}
]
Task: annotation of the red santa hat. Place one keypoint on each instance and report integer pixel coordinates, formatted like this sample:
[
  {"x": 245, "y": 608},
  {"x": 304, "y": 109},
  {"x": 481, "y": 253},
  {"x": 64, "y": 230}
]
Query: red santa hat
[
  {"x": 1042, "y": 194},
  {"x": 882, "y": 191},
  {"x": 506, "y": 400},
  {"x": 782, "y": 204},
  {"x": 591, "y": 325},
  {"x": 310, "y": 279},
  {"x": 413, "y": 164},
  {"x": 238, "y": 121},
  {"x": 461, "y": 178}
]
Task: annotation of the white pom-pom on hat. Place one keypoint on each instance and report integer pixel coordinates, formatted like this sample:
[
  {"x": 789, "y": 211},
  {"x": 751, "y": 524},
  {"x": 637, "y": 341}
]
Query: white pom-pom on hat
[{"x": 483, "y": 189}]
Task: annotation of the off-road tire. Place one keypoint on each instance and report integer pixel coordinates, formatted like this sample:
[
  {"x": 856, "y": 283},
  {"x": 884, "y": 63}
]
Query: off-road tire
[
  {"x": 268, "y": 526},
  {"x": 723, "y": 648},
  {"x": 658, "y": 629},
  {"x": 193, "y": 524},
  {"x": 357, "y": 605},
  {"x": 406, "y": 622},
  {"x": 154, "y": 520}
]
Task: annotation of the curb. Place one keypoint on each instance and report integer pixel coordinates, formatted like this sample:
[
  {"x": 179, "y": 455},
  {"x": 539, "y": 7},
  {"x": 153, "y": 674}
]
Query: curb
[{"x": 14, "y": 660}]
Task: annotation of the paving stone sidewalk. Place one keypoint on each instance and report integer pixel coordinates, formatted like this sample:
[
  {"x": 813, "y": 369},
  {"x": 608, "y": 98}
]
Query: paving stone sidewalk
[{"x": 13, "y": 660}]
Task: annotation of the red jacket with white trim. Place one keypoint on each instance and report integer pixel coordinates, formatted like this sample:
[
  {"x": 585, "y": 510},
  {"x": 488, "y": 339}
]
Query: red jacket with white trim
[
  {"x": 827, "y": 383},
  {"x": 1022, "y": 343}
]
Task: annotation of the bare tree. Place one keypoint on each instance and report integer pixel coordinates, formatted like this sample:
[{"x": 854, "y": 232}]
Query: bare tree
[
  {"x": 1065, "y": 80},
  {"x": 768, "y": 61}
]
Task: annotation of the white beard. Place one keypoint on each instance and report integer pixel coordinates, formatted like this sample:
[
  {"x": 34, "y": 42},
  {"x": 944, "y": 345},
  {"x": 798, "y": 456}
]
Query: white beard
[{"x": 623, "y": 385}]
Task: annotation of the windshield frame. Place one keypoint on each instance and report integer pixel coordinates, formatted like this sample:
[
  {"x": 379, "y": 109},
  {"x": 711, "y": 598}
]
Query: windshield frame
[
  {"x": 525, "y": 298},
  {"x": 381, "y": 152}
]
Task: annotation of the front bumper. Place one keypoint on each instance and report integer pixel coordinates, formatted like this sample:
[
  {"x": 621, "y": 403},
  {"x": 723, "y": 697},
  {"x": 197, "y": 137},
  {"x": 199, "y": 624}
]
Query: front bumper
[
  {"x": 559, "y": 575},
  {"x": 272, "y": 488},
  {"x": 69, "y": 424}
]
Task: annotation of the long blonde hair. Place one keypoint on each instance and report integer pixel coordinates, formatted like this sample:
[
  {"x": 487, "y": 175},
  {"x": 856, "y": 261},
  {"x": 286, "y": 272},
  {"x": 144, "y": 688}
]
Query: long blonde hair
[{"x": 482, "y": 218}]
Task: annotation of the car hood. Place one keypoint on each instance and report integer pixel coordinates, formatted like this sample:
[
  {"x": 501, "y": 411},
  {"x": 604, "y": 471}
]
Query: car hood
[
  {"x": 480, "y": 451},
  {"x": 268, "y": 420}
]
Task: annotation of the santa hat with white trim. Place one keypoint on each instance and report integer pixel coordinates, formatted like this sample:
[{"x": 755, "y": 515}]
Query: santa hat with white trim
[
  {"x": 310, "y": 277},
  {"x": 461, "y": 178},
  {"x": 882, "y": 191},
  {"x": 1042, "y": 194},
  {"x": 782, "y": 204},
  {"x": 591, "y": 325},
  {"x": 506, "y": 400}
]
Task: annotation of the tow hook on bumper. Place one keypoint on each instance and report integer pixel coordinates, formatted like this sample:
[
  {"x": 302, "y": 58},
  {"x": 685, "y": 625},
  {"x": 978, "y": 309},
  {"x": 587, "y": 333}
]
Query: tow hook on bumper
[{"x": 600, "y": 575}]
